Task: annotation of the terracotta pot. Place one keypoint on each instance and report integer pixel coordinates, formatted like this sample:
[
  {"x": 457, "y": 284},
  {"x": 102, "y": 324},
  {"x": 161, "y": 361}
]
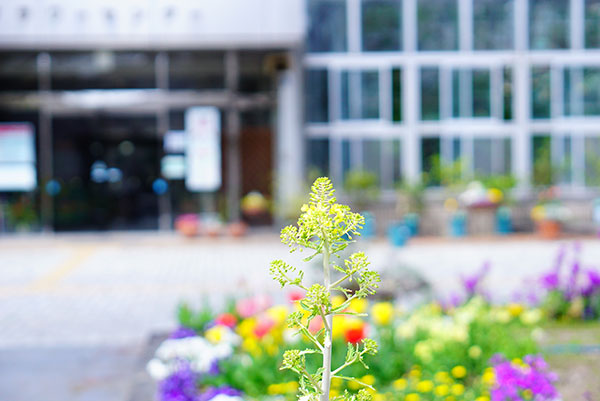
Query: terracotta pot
[
  {"x": 237, "y": 229},
  {"x": 188, "y": 229},
  {"x": 549, "y": 229}
]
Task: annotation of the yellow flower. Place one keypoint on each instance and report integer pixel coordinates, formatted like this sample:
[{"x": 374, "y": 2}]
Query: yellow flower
[
  {"x": 442, "y": 377},
  {"x": 399, "y": 384},
  {"x": 215, "y": 334},
  {"x": 475, "y": 351},
  {"x": 336, "y": 382},
  {"x": 450, "y": 398},
  {"x": 458, "y": 389},
  {"x": 495, "y": 195},
  {"x": 246, "y": 328},
  {"x": 442, "y": 390},
  {"x": 278, "y": 314},
  {"x": 515, "y": 309},
  {"x": 359, "y": 305},
  {"x": 338, "y": 326},
  {"x": 411, "y": 397},
  {"x": 379, "y": 397},
  {"x": 337, "y": 300},
  {"x": 527, "y": 394},
  {"x": 353, "y": 385},
  {"x": 459, "y": 371},
  {"x": 425, "y": 386},
  {"x": 291, "y": 387},
  {"x": 274, "y": 389},
  {"x": 488, "y": 377},
  {"x": 368, "y": 379},
  {"x": 482, "y": 398},
  {"x": 383, "y": 313},
  {"x": 451, "y": 204}
]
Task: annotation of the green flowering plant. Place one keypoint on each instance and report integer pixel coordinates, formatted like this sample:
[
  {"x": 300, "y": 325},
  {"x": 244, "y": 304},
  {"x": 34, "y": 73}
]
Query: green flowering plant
[{"x": 326, "y": 228}]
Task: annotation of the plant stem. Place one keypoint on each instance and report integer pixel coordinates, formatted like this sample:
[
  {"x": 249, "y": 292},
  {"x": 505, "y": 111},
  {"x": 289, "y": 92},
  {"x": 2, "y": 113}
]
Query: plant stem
[{"x": 326, "y": 383}]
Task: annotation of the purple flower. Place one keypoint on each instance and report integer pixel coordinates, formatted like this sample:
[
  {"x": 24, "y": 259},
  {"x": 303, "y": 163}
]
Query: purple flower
[
  {"x": 212, "y": 392},
  {"x": 183, "y": 332},
  {"x": 593, "y": 283},
  {"x": 550, "y": 281},
  {"x": 471, "y": 283},
  {"x": 513, "y": 380},
  {"x": 180, "y": 385}
]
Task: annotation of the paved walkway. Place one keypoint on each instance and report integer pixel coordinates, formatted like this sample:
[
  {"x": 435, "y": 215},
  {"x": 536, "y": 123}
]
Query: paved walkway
[{"x": 93, "y": 292}]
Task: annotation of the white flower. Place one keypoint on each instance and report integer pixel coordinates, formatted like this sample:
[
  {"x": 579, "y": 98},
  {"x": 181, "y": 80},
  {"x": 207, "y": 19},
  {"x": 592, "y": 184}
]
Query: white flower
[{"x": 223, "y": 397}]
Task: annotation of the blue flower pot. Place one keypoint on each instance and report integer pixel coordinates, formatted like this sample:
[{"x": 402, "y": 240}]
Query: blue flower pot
[
  {"x": 458, "y": 225},
  {"x": 411, "y": 220},
  {"x": 503, "y": 221},
  {"x": 368, "y": 230},
  {"x": 398, "y": 234}
]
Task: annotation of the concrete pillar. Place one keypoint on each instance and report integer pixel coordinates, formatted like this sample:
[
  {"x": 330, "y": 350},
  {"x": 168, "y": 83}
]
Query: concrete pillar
[
  {"x": 289, "y": 142},
  {"x": 234, "y": 169}
]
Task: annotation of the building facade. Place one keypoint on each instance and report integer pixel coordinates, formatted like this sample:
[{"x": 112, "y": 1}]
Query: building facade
[
  {"x": 501, "y": 85},
  {"x": 102, "y": 82},
  {"x": 388, "y": 86}
]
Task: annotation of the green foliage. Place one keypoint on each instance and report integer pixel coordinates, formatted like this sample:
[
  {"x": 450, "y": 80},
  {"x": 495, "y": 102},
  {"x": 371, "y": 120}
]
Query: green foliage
[
  {"x": 362, "y": 186},
  {"x": 326, "y": 228},
  {"x": 196, "y": 320}
]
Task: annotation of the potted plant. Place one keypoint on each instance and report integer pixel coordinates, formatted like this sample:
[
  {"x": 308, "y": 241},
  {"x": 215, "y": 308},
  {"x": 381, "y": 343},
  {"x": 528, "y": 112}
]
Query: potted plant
[{"x": 549, "y": 214}]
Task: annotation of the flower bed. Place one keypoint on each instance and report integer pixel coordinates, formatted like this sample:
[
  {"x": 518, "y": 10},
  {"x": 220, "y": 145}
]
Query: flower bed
[{"x": 472, "y": 352}]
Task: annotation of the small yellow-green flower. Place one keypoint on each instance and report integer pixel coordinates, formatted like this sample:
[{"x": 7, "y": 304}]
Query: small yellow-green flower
[
  {"x": 399, "y": 384},
  {"x": 383, "y": 313},
  {"x": 442, "y": 390},
  {"x": 458, "y": 389},
  {"x": 475, "y": 351},
  {"x": 425, "y": 386},
  {"x": 411, "y": 397},
  {"x": 459, "y": 371}
]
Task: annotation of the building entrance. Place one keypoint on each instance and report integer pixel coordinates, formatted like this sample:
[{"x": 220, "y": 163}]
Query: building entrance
[{"x": 105, "y": 166}]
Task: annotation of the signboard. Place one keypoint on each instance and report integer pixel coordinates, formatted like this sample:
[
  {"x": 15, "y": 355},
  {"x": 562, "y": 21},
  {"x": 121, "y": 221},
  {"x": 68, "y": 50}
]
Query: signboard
[
  {"x": 174, "y": 142},
  {"x": 203, "y": 149},
  {"x": 17, "y": 157}
]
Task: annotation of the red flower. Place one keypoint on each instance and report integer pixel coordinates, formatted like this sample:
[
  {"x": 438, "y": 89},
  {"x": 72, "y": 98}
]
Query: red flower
[
  {"x": 263, "y": 326},
  {"x": 294, "y": 296},
  {"x": 355, "y": 335},
  {"x": 226, "y": 319}
]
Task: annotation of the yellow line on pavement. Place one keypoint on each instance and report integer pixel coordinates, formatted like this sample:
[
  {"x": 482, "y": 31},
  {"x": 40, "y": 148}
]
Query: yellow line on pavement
[{"x": 62, "y": 270}]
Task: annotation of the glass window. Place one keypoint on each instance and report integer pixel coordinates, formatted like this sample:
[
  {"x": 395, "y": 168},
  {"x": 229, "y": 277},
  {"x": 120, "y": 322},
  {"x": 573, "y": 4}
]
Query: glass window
[
  {"x": 371, "y": 152},
  {"x": 254, "y": 71},
  {"x": 563, "y": 159},
  {"x": 542, "y": 160},
  {"x": 346, "y": 158},
  {"x": 591, "y": 91},
  {"x": 507, "y": 93},
  {"x": 481, "y": 93},
  {"x": 327, "y": 26},
  {"x": 493, "y": 24},
  {"x": 393, "y": 156},
  {"x": 430, "y": 160},
  {"x": 540, "y": 95},
  {"x": 430, "y": 93},
  {"x": 18, "y": 72},
  {"x": 316, "y": 96},
  {"x": 592, "y": 161},
  {"x": 549, "y": 24},
  {"x": 102, "y": 70},
  {"x": 471, "y": 93},
  {"x": 360, "y": 95},
  {"x": 592, "y": 23},
  {"x": 381, "y": 25},
  {"x": 582, "y": 91},
  {"x": 437, "y": 25},
  {"x": 196, "y": 70},
  {"x": 482, "y": 157},
  {"x": 396, "y": 94},
  {"x": 318, "y": 157}
]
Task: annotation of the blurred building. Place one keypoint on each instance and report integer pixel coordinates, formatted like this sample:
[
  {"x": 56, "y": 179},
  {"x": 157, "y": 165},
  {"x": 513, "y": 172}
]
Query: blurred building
[
  {"x": 332, "y": 86},
  {"x": 500, "y": 84},
  {"x": 102, "y": 82}
]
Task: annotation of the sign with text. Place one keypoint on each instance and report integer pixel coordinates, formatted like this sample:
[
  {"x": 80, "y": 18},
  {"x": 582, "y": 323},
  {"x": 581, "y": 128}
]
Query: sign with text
[
  {"x": 17, "y": 157},
  {"x": 203, "y": 149}
]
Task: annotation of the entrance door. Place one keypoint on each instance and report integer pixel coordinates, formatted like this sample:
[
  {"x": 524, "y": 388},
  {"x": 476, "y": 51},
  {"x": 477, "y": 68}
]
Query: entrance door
[{"x": 106, "y": 166}]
